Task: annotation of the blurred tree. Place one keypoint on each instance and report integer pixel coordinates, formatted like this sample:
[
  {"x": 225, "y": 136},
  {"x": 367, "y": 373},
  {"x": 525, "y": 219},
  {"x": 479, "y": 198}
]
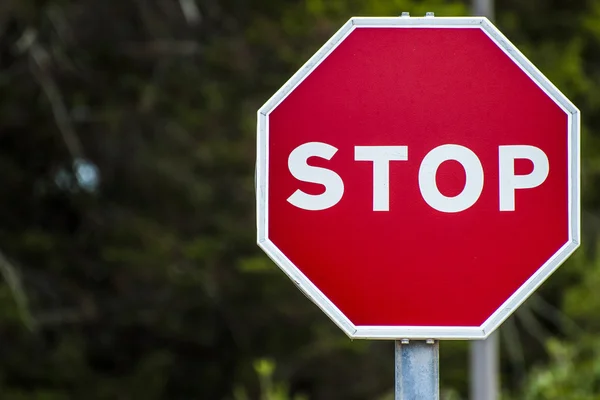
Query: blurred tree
[{"x": 127, "y": 229}]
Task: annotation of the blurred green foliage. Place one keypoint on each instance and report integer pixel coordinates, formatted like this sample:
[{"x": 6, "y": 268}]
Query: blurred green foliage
[
  {"x": 145, "y": 282},
  {"x": 572, "y": 374}
]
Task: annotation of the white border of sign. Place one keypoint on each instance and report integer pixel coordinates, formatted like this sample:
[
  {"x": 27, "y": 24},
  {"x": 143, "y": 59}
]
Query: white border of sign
[{"x": 418, "y": 332}]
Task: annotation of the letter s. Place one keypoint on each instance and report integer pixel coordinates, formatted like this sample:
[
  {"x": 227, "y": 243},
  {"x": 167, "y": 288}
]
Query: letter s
[{"x": 334, "y": 186}]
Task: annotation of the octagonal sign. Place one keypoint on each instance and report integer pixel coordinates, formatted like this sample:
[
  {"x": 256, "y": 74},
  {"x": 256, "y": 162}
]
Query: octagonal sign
[{"x": 418, "y": 178}]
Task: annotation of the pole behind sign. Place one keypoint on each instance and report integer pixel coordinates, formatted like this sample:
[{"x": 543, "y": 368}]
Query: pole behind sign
[{"x": 485, "y": 358}]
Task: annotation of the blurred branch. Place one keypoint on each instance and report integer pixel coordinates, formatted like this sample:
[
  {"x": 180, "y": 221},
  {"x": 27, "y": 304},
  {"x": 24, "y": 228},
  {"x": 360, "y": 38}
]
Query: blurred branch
[
  {"x": 59, "y": 22},
  {"x": 26, "y": 40},
  {"x": 514, "y": 347},
  {"x": 554, "y": 315},
  {"x": 38, "y": 68},
  {"x": 12, "y": 278},
  {"x": 190, "y": 11},
  {"x": 532, "y": 325}
]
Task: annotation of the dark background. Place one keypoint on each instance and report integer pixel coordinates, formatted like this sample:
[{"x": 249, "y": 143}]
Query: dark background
[{"x": 127, "y": 225}]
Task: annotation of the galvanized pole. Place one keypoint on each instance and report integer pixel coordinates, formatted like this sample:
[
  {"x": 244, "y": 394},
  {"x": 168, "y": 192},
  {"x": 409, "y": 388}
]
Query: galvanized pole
[
  {"x": 484, "y": 375},
  {"x": 417, "y": 370},
  {"x": 483, "y": 8},
  {"x": 484, "y": 368}
]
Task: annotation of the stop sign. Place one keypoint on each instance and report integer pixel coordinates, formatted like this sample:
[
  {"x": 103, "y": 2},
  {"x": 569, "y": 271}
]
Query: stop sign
[{"x": 418, "y": 178}]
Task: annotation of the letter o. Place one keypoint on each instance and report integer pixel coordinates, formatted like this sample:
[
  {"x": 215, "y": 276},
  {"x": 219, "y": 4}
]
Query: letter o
[{"x": 473, "y": 184}]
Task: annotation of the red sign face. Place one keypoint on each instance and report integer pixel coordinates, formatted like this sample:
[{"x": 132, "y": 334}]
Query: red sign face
[{"x": 418, "y": 178}]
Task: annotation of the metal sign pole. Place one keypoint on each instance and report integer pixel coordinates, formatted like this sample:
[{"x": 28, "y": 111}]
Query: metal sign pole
[
  {"x": 484, "y": 353},
  {"x": 417, "y": 370},
  {"x": 483, "y": 8},
  {"x": 484, "y": 368}
]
